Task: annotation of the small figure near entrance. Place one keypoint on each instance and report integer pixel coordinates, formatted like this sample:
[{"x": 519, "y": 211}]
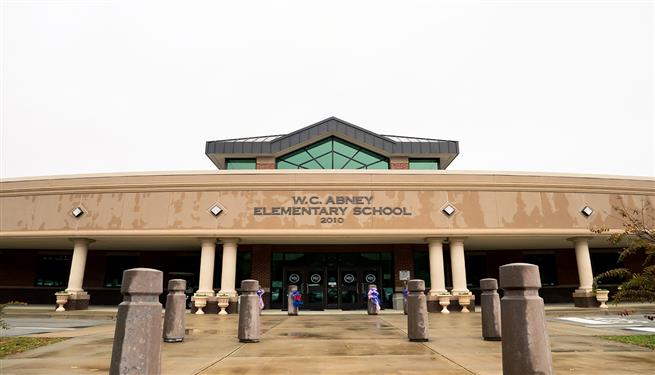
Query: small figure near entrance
[
  {"x": 260, "y": 293},
  {"x": 373, "y": 306},
  {"x": 294, "y": 300}
]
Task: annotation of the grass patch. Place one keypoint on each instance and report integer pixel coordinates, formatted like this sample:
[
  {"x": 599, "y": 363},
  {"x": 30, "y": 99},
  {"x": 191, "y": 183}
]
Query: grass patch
[
  {"x": 13, "y": 345},
  {"x": 647, "y": 341}
]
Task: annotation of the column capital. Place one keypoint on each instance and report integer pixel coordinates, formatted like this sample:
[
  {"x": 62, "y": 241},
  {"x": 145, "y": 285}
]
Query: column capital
[
  {"x": 83, "y": 241},
  {"x": 230, "y": 240},
  {"x": 579, "y": 238},
  {"x": 456, "y": 239},
  {"x": 431, "y": 240},
  {"x": 204, "y": 240}
]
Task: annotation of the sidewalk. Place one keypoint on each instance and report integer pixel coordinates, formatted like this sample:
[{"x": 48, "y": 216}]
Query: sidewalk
[{"x": 341, "y": 344}]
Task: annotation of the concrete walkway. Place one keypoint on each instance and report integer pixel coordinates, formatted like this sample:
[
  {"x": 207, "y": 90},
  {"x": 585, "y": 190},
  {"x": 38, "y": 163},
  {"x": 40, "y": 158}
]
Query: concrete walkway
[{"x": 338, "y": 344}]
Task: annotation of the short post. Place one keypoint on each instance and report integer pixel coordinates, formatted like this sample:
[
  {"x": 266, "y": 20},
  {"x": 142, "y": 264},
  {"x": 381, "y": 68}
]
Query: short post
[
  {"x": 417, "y": 311},
  {"x": 292, "y": 308},
  {"x": 526, "y": 346},
  {"x": 175, "y": 311},
  {"x": 260, "y": 294},
  {"x": 490, "y": 303},
  {"x": 373, "y": 305},
  {"x": 137, "y": 339},
  {"x": 405, "y": 294},
  {"x": 249, "y": 321}
]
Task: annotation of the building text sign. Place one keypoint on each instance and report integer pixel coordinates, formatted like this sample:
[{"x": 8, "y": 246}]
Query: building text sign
[{"x": 332, "y": 208}]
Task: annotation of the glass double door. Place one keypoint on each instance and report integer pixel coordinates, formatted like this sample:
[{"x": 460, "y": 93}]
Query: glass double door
[
  {"x": 310, "y": 283},
  {"x": 354, "y": 286},
  {"x": 345, "y": 288}
]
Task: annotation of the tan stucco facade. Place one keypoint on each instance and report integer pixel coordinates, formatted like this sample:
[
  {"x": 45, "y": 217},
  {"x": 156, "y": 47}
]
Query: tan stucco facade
[
  {"x": 258, "y": 208},
  {"x": 259, "y": 205}
]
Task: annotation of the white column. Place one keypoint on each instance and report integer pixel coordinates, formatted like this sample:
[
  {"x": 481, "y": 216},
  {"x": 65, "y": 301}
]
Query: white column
[
  {"x": 78, "y": 264},
  {"x": 229, "y": 272},
  {"x": 585, "y": 273},
  {"x": 458, "y": 265},
  {"x": 207, "y": 255},
  {"x": 437, "y": 279}
]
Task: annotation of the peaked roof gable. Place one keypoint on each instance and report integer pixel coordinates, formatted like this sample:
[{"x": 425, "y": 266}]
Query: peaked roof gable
[
  {"x": 335, "y": 126},
  {"x": 275, "y": 146}
]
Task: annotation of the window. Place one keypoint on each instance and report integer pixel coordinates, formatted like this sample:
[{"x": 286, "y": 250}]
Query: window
[
  {"x": 240, "y": 163},
  {"x": 421, "y": 261},
  {"x": 332, "y": 153},
  {"x": 424, "y": 164},
  {"x": 476, "y": 269},
  {"x": 602, "y": 261},
  {"x": 547, "y": 267},
  {"x": 116, "y": 264},
  {"x": 53, "y": 270}
]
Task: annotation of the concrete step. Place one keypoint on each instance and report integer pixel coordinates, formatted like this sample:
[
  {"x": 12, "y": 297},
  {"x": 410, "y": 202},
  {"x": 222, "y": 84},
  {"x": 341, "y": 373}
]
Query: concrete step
[{"x": 41, "y": 311}]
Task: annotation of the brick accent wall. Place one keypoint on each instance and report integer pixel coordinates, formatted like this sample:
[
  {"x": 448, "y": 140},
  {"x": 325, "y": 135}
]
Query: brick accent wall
[
  {"x": 265, "y": 163},
  {"x": 261, "y": 270},
  {"x": 402, "y": 260},
  {"x": 399, "y": 163}
]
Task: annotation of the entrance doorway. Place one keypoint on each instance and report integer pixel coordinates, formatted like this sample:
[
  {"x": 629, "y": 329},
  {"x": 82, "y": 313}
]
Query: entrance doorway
[
  {"x": 331, "y": 280},
  {"x": 348, "y": 291},
  {"x": 354, "y": 286}
]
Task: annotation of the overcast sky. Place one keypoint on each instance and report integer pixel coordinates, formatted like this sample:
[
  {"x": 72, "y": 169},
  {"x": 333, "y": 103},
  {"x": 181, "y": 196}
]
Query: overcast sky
[{"x": 111, "y": 86}]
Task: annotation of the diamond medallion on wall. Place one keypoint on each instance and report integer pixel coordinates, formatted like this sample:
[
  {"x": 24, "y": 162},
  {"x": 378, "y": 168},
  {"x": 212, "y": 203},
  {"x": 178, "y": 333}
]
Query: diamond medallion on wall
[
  {"x": 215, "y": 210},
  {"x": 587, "y": 211},
  {"x": 77, "y": 212},
  {"x": 449, "y": 209}
]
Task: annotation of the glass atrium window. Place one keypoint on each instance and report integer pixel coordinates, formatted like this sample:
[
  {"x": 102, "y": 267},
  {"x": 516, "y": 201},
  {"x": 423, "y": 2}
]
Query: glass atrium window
[
  {"x": 332, "y": 153},
  {"x": 423, "y": 163},
  {"x": 240, "y": 164}
]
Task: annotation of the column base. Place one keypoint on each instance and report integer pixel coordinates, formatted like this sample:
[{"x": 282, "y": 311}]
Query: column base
[
  {"x": 585, "y": 299},
  {"x": 210, "y": 308},
  {"x": 435, "y": 307},
  {"x": 78, "y": 301}
]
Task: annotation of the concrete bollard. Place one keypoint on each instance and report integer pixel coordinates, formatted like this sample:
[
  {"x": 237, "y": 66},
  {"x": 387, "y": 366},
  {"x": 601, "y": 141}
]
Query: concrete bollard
[
  {"x": 249, "y": 320},
  {"x": 490, "y": 303},
  {"x": 526, "y": 346},
  {"x": 373, "y": 305},
  {"x": 417, "y": 311},
  {"x": 175, "y": 311},
  {"x": 291, "y": 309},
  {"x": 137, "y": 339}
]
